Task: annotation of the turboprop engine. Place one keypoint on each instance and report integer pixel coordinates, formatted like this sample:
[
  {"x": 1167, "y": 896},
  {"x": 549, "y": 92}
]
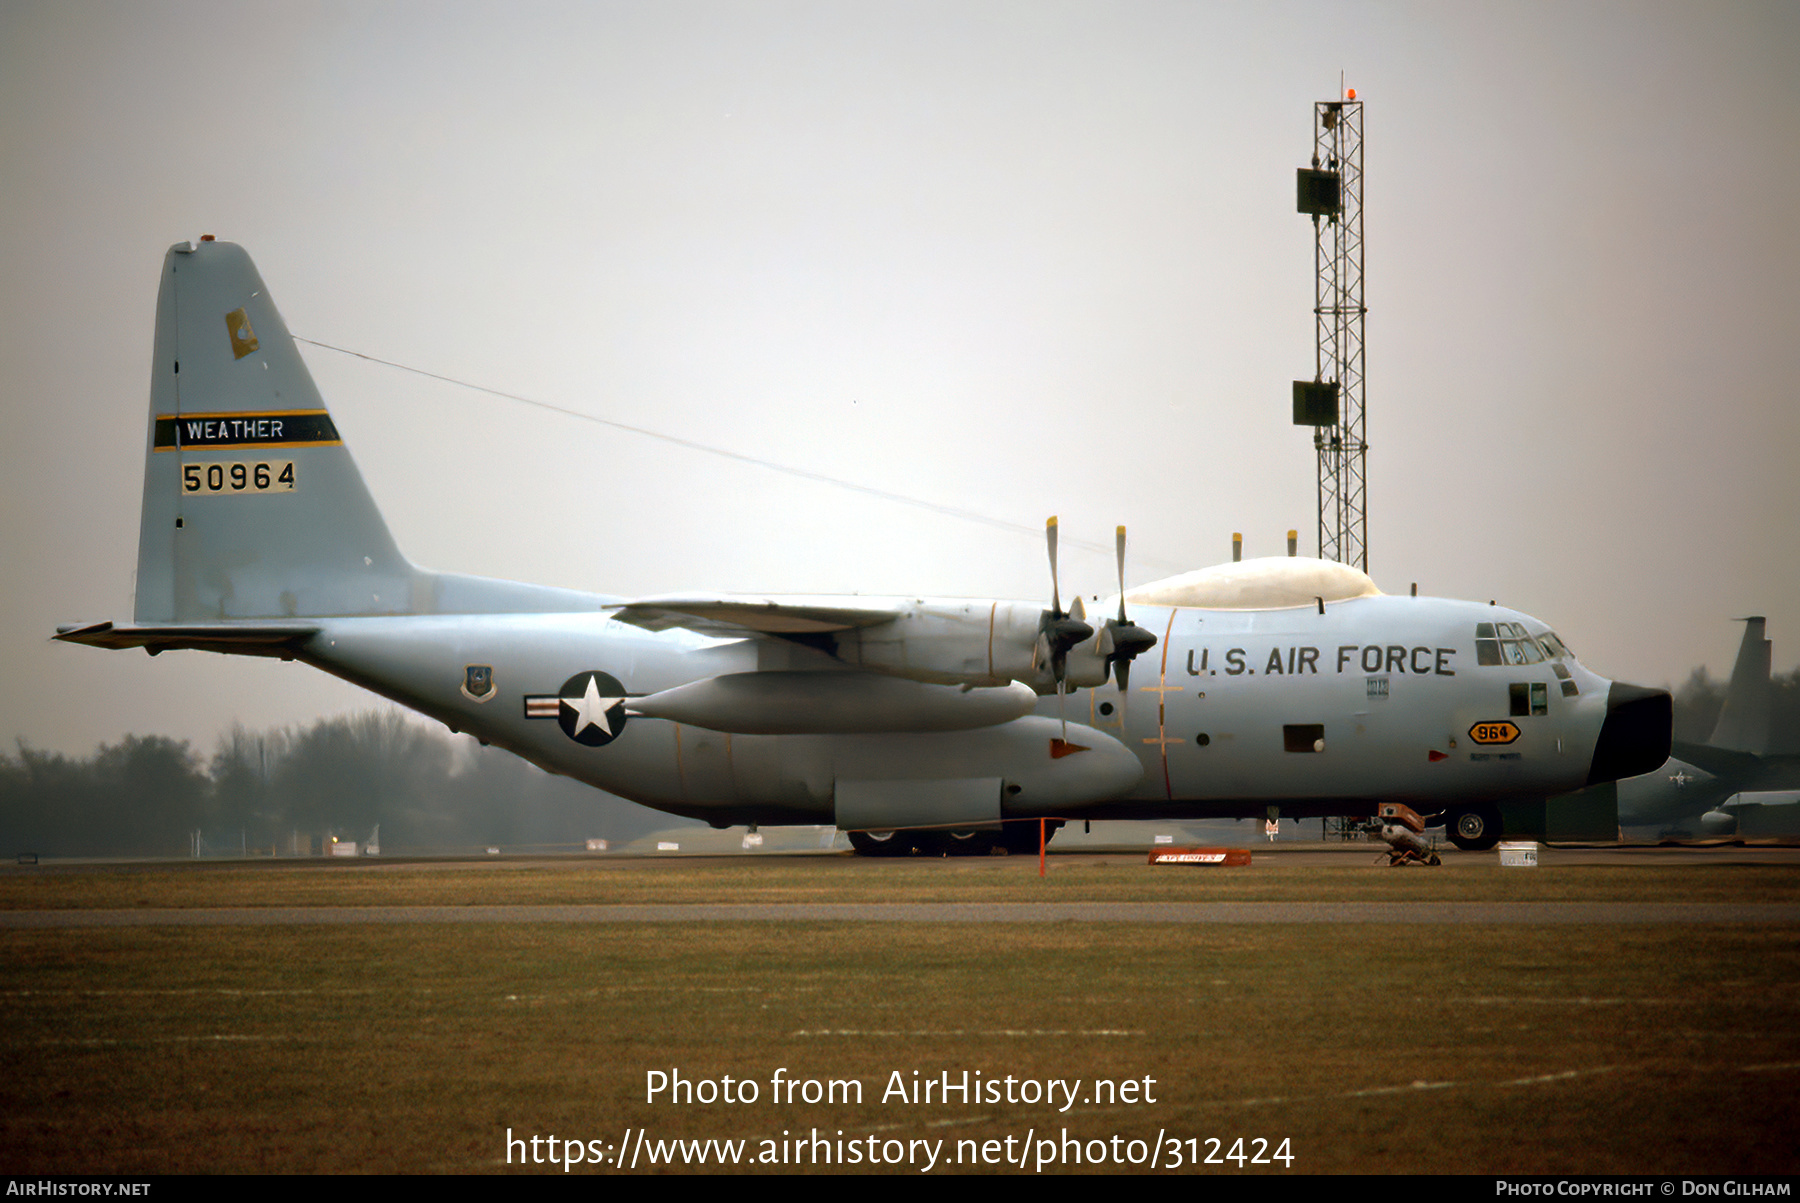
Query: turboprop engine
[
  {"x": 953, "y": 643},
  {"x": 968, "y": 643}
]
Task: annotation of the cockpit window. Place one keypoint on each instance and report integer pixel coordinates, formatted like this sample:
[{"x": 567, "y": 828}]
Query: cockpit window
[
  {"x": 1521, "y": 645},
  {"x": 1508, "y": 643}
]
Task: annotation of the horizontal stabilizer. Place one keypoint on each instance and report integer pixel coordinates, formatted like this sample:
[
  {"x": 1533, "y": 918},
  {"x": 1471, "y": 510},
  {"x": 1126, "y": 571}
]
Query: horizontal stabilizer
[
  {"x": 1720, "y": 762},
  {"x": 265, "y": 639}
]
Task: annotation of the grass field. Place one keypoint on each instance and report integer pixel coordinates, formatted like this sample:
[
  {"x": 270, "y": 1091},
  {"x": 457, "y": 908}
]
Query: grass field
[
  {"x": 843, "y": 878},
  {"x": 1460, "y": 1049}
]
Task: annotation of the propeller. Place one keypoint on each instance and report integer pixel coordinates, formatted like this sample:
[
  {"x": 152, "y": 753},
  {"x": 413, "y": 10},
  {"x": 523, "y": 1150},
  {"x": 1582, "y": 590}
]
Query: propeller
[
  {"x": 1058, "y": 630},
  {"x": 1124, "y": 640}
]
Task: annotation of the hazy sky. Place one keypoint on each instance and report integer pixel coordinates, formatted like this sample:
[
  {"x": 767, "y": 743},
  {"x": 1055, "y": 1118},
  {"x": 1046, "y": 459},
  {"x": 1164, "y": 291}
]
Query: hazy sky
[{"x": 1017, "y": 258}]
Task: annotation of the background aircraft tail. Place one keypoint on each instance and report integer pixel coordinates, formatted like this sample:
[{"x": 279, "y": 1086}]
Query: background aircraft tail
[
  {"x": 253, "y": 507},
  {"x": 1744, "y": 720}
]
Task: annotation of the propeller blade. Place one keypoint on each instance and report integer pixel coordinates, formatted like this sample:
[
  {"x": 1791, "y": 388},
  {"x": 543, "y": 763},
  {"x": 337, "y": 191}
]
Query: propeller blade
[
  {"x": 1057, "y": 631},
  {"x": 1126, "y": 639},
  {"x": 1120, "y": 543}
]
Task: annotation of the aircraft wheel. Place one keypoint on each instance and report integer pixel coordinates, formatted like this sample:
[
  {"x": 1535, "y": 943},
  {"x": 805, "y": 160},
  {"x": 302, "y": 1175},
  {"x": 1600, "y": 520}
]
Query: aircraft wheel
[
  {"x": 881, "y": 843},
  {"x": 1474, "y": 830},
  {"x": 962, "y": 843}
]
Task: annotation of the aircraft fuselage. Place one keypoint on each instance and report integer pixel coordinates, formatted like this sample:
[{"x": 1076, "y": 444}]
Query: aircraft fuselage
[{"x": 1374, "y": 699}]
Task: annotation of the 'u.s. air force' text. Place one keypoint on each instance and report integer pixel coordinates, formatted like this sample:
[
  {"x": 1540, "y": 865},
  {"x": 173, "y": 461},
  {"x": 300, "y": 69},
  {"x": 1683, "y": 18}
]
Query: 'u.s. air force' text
[{"x": 1299, "y": 659}]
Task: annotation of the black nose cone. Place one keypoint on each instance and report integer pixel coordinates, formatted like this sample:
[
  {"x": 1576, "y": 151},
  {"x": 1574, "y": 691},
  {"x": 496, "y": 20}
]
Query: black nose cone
[{"x": 1635, "y": 737}]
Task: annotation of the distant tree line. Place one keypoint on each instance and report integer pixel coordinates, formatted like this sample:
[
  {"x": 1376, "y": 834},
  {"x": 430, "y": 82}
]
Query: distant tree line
[{"x": 275, "y": 791}]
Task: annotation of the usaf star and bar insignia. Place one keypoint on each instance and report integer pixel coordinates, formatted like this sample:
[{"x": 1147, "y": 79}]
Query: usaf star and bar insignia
[{"x": 590, "y": 707}]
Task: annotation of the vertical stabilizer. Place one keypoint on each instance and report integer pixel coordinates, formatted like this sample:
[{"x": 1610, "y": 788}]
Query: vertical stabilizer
[
  {"x": 253, "y": 507},
  {"x": 1744, "y": 720}
]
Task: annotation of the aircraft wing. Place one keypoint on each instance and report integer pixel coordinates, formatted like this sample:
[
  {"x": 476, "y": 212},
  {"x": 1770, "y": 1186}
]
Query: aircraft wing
[
  {"x": 1779, "y": 797},
  {"x": 731, "y": 614},
  {"x": 245, "y": 639}
]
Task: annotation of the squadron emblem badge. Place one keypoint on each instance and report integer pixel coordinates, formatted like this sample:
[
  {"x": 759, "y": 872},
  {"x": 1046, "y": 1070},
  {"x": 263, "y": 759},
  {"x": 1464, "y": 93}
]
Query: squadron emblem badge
[{"x": 478, "y": 682}]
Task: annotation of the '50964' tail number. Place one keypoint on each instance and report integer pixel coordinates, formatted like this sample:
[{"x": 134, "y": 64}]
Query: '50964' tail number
[{"x": 219, "y": 476}]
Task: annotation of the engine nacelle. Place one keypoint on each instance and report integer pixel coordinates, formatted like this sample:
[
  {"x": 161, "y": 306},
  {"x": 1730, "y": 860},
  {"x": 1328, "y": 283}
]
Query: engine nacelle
[
  {"x": 971, "y": 644},
  {"x": 1719, "y": 824},
  {"x": 952, "y": 643}
]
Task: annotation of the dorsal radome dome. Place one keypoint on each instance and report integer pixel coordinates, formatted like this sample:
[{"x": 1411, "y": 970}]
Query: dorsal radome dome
[{"x": 1270, "y": 583}]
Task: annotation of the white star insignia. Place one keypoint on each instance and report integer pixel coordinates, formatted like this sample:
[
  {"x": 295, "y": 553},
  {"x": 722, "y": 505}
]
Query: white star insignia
[{"x": 591, "y": 709}]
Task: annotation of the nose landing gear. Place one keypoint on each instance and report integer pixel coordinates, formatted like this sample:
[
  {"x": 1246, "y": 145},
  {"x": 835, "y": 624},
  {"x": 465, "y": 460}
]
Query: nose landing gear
[{"x": 1473, "y": 828}]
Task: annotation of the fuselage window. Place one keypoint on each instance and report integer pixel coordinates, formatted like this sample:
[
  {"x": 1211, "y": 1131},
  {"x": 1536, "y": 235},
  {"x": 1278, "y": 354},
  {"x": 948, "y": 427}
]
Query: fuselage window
[
  {"x": 1528, "y": 698},
  {"x": 1303, "y": 737}
]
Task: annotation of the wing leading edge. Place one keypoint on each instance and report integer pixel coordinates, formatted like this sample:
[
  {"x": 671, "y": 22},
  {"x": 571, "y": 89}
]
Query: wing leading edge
[{"x": 735, "y": 614}]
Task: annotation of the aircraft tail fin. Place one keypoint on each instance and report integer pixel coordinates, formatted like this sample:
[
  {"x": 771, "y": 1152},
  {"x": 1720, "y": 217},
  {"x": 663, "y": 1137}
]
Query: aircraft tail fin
[
  {"x": 1744, "y": 721},
  {"x": 253, "y": 507}
]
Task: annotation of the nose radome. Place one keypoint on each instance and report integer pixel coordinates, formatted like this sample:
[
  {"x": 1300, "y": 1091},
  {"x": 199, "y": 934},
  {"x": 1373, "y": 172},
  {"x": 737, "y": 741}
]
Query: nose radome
[{"x": 1635, "y": 737}]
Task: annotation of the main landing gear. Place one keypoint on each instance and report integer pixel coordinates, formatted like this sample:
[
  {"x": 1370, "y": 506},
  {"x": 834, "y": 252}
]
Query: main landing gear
[{"x": 1015, "y": 839}]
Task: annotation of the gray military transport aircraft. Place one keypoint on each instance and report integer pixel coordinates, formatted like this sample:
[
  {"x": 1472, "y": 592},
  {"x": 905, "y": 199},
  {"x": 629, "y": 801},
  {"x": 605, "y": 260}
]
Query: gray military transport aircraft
[{"x": 1284, "y": 686}]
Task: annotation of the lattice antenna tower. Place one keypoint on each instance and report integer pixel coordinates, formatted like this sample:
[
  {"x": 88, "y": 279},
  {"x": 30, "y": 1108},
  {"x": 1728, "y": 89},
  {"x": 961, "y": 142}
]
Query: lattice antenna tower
[{"x": 1332, "y": 402}]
